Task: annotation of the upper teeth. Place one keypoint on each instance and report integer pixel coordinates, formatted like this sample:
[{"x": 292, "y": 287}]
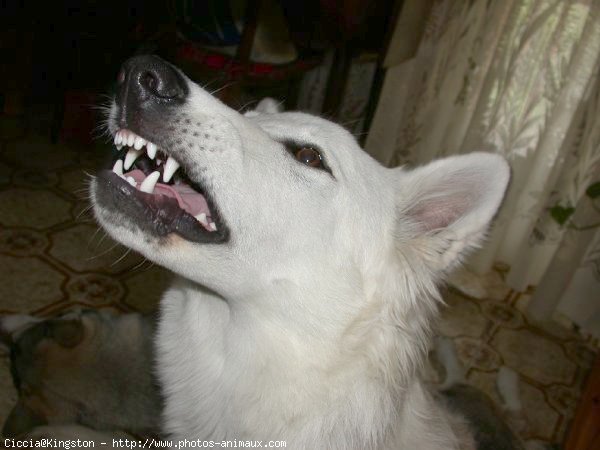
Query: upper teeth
[
  {"x": 151, "y": 149},
  {"x": 130, "y": 157},
  {"x": 139, "y": 142},
  {"x": 171, "y": 167},
  {"x": 130, "y": 139}
]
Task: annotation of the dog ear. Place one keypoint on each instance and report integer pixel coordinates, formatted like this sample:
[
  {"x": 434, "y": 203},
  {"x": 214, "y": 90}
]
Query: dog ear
[
  {"x": 267, "y": 105},
  {"x": 447, "y": 205}
]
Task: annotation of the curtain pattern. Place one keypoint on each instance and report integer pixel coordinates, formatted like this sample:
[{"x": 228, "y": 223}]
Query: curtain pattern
[{"x": 519, "y": 78}]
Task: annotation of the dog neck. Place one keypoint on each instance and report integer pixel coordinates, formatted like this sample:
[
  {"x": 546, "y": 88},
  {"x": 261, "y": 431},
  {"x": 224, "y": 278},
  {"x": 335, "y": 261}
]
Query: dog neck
[{"x": 227, "y": 372}]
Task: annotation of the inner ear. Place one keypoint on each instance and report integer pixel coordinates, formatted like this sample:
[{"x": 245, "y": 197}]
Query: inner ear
[
  {"x": 454, "y": 198},
  {"x": 440, "y": 212}
]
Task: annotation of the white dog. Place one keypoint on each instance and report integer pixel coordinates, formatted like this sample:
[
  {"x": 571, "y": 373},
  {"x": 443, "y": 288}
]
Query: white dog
[{"x": 307, "y": 270}]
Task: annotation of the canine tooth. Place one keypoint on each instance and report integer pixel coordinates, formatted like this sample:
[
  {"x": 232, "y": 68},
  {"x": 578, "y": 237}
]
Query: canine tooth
[
  {"x": 202, "y": 219},
  {"x": 118, "y": 167},
  {"x": 212, "y": 226},
  {"x": 131, "y": 181},
  {"x": 130, "y": 140},
  {"x": 139, "y": 142},
  {"x": 149, "y": 183},
  {"x": 151, "y": 150},
  {"x": 171, "y": 167},
  {"x": 130, "y": 157}
]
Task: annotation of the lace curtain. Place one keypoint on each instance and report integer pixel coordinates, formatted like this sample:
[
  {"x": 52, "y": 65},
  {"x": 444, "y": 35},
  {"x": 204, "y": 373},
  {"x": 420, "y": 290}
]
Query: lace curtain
[{"x": 519, "y": 78}]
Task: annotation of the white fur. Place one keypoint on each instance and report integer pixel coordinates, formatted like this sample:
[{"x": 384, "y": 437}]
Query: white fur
[{"x": 310, "y": 324}]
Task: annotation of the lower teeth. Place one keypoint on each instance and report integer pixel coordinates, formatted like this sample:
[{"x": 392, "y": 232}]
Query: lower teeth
[{"x": 148, "y": 184}]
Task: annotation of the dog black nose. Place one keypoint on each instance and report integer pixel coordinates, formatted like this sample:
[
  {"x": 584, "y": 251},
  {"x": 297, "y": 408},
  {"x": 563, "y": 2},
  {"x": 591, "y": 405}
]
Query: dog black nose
[{"x": 145, "y": 79}]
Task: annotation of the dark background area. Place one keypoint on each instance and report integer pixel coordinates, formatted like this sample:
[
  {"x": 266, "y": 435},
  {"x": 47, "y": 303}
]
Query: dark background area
[{"x": 51, "y": 48}]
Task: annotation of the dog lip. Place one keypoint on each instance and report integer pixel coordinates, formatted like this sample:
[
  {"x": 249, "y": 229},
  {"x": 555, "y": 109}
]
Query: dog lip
[{"x": 156, "y": 215}]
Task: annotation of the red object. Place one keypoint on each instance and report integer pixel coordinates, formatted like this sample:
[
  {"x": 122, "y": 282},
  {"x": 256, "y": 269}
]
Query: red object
[{"x": 235, "y": 69}]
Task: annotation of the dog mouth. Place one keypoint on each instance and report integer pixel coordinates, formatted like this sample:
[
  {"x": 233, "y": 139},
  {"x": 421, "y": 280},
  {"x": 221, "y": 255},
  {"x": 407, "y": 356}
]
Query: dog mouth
[{"x": 153, "y": 188}]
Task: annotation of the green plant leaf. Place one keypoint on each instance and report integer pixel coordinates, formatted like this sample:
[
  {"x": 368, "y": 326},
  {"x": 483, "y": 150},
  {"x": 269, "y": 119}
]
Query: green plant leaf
[
  {"x": 593, "y": 190},
  {"x": 561, "y": 214}
]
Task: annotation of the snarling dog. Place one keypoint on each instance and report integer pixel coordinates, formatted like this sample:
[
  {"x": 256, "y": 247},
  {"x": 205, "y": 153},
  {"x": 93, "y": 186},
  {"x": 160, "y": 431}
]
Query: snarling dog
[{"x": 308, "y": 271}]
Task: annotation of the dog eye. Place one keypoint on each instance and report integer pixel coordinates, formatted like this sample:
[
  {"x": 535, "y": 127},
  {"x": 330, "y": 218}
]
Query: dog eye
[{"x": 309, "y": 156}]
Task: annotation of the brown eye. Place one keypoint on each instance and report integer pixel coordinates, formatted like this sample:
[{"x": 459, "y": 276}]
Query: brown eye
[{"x": 309, "y": 156}]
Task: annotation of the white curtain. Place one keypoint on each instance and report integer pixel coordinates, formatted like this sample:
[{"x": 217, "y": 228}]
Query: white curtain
[{"x": 519, "y": 78}]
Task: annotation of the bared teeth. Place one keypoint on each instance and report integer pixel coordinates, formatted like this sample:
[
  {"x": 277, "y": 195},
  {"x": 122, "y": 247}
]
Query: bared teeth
[
  {"x": 148, "y": 184},
  {"x": 151, "y": 150},
  {"x": 171, "y": 167},
  {"x": 130, "y": 157},
  {"x": 202, "y": 219},
  {"x": 130, "y": 139},
  {"x": 118, "y": 168},
  {"x": 136, "y": 143},
  {"x": 139, "y": 142}
]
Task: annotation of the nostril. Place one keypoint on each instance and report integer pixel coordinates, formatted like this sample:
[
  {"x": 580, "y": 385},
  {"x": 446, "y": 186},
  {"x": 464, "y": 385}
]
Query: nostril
[
  {"x": 150, "y": 82},
  {"x": 147, "y": 78},
  {"x": 160, "y": 83}
]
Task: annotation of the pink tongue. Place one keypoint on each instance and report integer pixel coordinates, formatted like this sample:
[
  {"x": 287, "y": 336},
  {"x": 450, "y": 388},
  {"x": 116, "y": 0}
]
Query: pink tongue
[{"x": 187, "y": 198}]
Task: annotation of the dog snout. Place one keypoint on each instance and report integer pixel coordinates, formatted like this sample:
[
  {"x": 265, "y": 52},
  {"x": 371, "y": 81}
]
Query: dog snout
[{"x": 146, "y": 81}]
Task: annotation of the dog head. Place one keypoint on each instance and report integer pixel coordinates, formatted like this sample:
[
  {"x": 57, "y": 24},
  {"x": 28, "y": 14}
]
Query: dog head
[{"x": 268, "y": 204}]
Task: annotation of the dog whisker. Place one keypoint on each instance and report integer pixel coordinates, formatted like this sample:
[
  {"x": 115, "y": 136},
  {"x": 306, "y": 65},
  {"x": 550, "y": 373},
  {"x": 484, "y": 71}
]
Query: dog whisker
[
  {"x": 216, "y": 91},
  {"x": 122, "y": 257},
  {"x": 103, "y": 253},
  {"x": 141, "y": 263},
  {"x": 83, "y": 211}
]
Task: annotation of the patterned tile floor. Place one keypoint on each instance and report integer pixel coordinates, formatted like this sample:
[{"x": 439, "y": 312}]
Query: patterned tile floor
[
  {"x": 53, "y": 258},
  {"x": 552, "y": 361}
]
